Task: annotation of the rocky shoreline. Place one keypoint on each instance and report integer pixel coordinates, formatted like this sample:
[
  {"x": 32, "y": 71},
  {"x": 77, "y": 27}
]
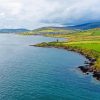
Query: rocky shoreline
[
  {"x": 89, "y": 65},
  {"x": 88, "y": 68}
]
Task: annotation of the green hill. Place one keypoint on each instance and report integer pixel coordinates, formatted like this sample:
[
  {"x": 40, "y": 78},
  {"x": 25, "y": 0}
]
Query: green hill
[{"x": 49, "y": 30}]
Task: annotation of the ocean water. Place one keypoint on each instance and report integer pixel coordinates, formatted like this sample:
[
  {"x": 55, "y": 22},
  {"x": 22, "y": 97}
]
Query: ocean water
[{"x": 36, "y": 73}]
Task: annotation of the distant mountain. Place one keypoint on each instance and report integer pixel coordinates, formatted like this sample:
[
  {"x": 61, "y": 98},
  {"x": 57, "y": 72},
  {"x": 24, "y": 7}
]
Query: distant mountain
[
  {"x": 86, "y": 26},
  {"x": 13, "y": 30},
  {"x": 53, "y": 30},
  {"x": 50, "y": 30},
  {"x": 68, "y": 29}
]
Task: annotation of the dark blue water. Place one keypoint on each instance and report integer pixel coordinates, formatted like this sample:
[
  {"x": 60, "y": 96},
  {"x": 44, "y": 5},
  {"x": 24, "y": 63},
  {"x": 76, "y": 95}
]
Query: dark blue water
[{"x": 33, "y": 73}]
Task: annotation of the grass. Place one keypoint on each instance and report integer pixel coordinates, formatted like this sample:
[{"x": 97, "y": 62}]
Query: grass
[{"x": 88, "y": 45}]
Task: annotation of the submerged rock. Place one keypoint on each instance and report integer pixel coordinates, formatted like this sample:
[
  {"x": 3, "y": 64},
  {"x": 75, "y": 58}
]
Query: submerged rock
[
  {"x": 86, "y": 62},
  {"x": 84, "y": 69},
  {"x": 93, "y": 59}
]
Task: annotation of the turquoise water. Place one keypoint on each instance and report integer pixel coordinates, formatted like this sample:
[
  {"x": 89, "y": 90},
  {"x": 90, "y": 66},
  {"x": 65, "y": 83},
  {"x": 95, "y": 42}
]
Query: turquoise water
[{"x": 33, "y": 73}]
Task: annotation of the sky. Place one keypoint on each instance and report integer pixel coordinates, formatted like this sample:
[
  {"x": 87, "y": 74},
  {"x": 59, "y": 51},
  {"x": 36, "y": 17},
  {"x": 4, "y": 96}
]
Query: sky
[{"x": 32, "y": 14}]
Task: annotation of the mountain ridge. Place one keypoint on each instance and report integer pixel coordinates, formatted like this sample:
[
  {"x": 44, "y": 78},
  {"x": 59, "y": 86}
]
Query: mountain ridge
[{"x": 86, "y": 26}]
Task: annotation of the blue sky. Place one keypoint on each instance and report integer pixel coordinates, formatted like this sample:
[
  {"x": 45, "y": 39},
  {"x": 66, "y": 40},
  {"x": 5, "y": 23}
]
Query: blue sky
[{"x": 38, "y": 13}]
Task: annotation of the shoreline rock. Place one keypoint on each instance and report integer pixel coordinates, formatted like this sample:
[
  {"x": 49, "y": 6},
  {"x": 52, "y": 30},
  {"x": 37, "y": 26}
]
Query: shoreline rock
[
  {"x": 96, "y": 75},
  {"x": 88, "y": 67}
]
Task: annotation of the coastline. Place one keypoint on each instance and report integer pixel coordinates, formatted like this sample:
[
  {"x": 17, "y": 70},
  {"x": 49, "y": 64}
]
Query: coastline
[{"x": 89, "y": 67}]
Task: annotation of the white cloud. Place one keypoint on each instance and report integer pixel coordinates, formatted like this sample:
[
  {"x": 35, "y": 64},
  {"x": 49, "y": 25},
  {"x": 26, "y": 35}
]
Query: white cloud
[
  {"x": 36, "y": 13},
  {"x": 10, "y": 7}
]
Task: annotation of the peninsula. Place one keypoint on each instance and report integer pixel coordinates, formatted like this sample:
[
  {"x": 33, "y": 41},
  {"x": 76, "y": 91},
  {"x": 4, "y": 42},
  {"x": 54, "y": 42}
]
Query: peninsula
[{"x": 85, "y": 42}]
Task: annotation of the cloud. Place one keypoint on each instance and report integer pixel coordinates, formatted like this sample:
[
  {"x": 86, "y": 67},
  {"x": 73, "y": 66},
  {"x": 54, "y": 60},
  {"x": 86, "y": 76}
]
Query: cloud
[
  {"x": 77, "y": 12},
  {"x": 37, "y": 13}
]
